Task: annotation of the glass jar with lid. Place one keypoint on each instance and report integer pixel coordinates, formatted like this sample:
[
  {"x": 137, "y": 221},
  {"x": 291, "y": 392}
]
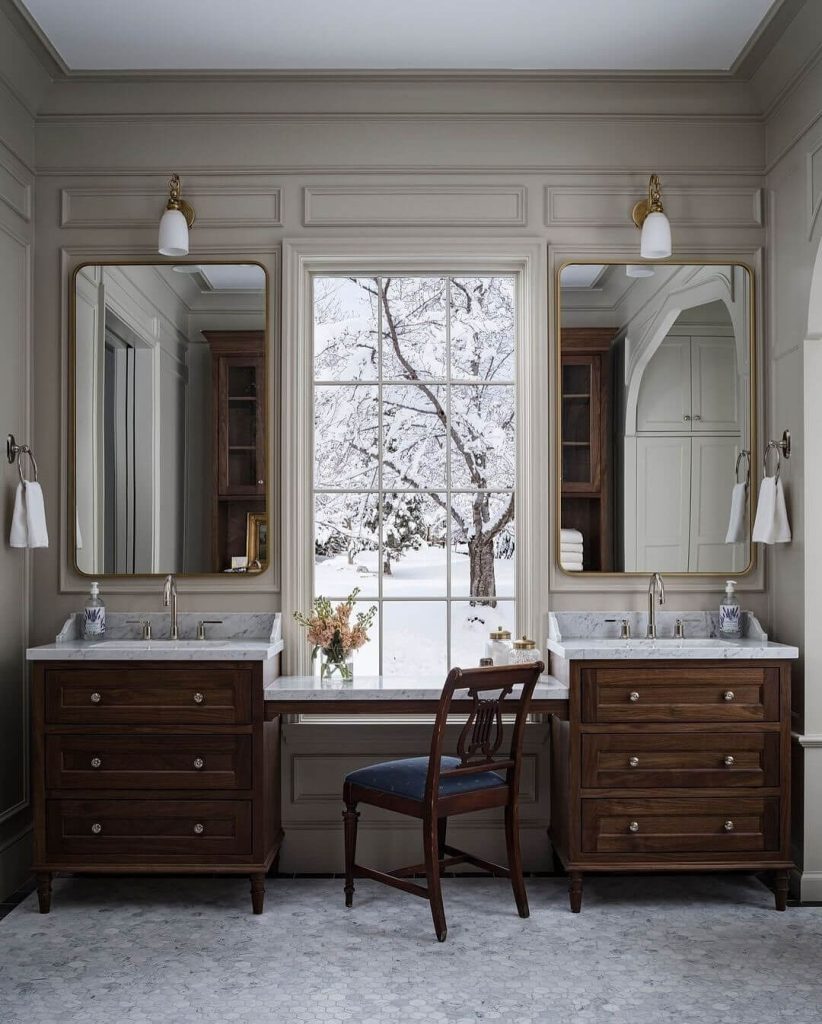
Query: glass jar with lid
[
  {"x": 498, "y": 646},
  {"x": 524, "y": 652}
]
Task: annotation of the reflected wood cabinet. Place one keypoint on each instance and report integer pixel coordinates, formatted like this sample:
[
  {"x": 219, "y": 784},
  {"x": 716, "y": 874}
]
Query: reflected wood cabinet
[
  {"x": 151, "y": 767},
  {"x": 672, "y": 766}
]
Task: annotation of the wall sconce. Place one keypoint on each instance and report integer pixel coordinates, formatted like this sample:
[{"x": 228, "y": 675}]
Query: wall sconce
[
  {"x": 175, "y": 222},
  {"x": 648, "y": 214},
  {"x": 639, "y": 270}
]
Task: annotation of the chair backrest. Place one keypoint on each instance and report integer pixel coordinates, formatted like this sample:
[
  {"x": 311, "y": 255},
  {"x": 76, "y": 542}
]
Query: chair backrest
[{"x": 481, "y": 736}]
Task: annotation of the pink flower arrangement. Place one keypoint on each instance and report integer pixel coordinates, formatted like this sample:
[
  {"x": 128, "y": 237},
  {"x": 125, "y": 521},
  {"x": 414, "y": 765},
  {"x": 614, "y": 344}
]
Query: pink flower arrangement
[{"x": 331, "y": 631}]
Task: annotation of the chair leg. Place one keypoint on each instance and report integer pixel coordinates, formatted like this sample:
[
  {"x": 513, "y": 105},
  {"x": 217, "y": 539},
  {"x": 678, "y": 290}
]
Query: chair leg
[
  {"x": 575, "y": 891},
  {"x": 430, "y": 829},
  {"x": 515, "y": 858},
  {"x": 350, "y": 818},
  {"x": 442, "y": 828}
]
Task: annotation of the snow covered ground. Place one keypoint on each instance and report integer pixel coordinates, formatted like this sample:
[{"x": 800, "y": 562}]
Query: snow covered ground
[{"x": 415, "y": 632}]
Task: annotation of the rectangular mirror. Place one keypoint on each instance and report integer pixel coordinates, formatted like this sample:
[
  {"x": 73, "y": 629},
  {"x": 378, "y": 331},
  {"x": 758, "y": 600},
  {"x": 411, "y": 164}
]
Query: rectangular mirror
[
  {"x": 169, "y": 418},
  {"x": 656, "y": 416}
]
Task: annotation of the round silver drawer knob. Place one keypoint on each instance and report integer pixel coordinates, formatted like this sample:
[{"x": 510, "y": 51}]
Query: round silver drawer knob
[
  {"x": 728, "y": 695},
  {"x": 633, "y": 696},
  {"x": 96, "y": 762},
  {"x": 633, "y": 762},
  {"x": 198, "y": 698},
  {"x": 728, "y": 826},
  {"x": 633, "y": 826},
  {"x": 95, "y": 698},
  {"x": 199, "y": 762},
  {"x": 199, "y": 829},
  {"x": 729, "y": 761},
  {"x": 96, "y": 828}
]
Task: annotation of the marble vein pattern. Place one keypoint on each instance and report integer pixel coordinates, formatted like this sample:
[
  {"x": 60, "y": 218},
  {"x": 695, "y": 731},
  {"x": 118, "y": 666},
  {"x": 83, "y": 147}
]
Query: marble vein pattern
[
  {"x": 379, "y": 688},
  {"x": 232, "y": 636},
  {"x": 650, "y": 950}
]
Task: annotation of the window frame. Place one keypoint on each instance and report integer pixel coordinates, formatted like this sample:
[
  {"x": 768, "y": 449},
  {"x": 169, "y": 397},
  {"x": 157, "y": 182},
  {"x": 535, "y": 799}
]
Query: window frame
[{"x": 526, "y": 263}]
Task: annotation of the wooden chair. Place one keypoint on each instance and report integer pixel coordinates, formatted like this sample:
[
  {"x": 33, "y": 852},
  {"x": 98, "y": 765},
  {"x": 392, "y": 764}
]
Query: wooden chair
[{"x": 433, "y": 788}]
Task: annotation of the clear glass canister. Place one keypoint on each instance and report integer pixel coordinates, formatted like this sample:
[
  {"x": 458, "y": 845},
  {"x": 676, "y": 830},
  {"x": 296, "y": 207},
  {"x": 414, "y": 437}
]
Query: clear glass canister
[
  {"x": 498, "y": 647},
  {"x": 524, "y": 652}
]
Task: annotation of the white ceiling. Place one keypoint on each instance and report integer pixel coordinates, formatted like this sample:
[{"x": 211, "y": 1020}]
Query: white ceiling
[{"x": 584, "y": 35}]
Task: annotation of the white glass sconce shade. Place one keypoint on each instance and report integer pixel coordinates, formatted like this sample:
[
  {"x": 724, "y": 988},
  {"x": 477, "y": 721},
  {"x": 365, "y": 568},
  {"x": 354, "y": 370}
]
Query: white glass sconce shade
[
  {"x": 173, "y": 235},
  {"x": 638, "y": 270},
  {"x": 655, "y": 243}
]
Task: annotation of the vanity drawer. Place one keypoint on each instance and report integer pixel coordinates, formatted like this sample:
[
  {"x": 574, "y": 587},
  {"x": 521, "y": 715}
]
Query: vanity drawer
[
  {"x": 686, "y": 694},
  {"x": 148, "y": 762},
  {"x": 714, "y": 825},
  {"x": 669, "y": 760},
  {"x": 156, "y": 695},
  {"x": 141, "y": 829}
]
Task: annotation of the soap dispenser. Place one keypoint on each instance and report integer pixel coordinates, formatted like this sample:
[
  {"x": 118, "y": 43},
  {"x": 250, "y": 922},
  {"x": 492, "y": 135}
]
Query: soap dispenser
[
  {"x": 94, "y": 615},
  {"x": 730, "y": 618}
]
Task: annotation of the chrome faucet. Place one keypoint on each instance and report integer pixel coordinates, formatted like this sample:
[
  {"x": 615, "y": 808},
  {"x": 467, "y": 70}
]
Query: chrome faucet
[
  {"x": 655, "y": 584},
  {"x": 170, "y": 602}
]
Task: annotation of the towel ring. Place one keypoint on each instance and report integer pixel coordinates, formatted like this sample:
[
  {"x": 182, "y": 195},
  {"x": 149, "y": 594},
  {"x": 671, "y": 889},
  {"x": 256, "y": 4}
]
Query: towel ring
[
  {"x": 782, "y": 447},
  {"x": 743, "y": 454},
  {"x": 14, "y": 453}
]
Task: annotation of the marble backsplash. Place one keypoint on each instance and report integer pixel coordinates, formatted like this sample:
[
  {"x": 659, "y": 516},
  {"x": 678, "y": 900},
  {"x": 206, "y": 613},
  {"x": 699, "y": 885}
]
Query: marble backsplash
[
  {"x": 221, "y": 625},
  {"x": 607, "y": 625}
]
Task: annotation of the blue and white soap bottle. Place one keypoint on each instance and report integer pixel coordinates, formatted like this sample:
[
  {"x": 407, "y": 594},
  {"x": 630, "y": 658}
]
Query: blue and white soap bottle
[
  {"x": 94, "y": 615},
  {"x": 730, "y": 616}
]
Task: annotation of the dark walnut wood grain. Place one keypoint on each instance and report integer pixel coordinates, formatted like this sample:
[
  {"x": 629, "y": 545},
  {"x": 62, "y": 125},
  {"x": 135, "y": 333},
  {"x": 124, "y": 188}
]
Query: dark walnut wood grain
[
  {"x": 673, "y": 766},
  {"x": 150, "y": 767}
]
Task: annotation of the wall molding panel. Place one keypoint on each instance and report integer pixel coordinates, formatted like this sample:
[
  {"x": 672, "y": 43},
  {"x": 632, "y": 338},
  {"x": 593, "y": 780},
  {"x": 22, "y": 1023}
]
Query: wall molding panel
[
  {"x": 15, "y": 184},
  {"x": 813, "y": 163},
  {"x": 687, "y": 207},
  {"x": 415, "y": 206},
  {"x": 121, "y": 206}
]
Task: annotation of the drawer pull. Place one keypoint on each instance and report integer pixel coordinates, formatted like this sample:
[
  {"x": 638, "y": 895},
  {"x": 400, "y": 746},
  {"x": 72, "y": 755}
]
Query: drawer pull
[
  {"x": 96, "y": 762},
  {"x": 728, "y": 826},
  {"x": 199, "y": 829},
  {"x": 633, "y": 696},
  {"x": 633, "y": 762},
  {"x": 199, "y": 698},
  {"x": 729, "y": 761},
  {"x": 95, "y": 698},
  {"x": 199, "y": 763},
  {"x": 96, "y": 829},
  {"x": 633, "y": 826},
  {"x": 728, "y": 695}
]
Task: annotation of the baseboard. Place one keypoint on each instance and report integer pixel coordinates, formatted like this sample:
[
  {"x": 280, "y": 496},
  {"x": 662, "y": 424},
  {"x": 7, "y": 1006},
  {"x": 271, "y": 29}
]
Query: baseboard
[
  {"x": 15, "y": 863},
  {"x": 811, "y": 887}
]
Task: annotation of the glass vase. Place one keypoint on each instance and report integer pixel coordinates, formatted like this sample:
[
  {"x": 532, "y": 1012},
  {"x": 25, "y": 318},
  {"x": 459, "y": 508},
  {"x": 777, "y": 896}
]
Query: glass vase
[{"x": 336, "y": 670}]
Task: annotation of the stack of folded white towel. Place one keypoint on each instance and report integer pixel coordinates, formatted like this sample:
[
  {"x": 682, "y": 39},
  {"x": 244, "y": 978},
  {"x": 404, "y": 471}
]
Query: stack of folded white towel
[{"x": 570, "y": 550}]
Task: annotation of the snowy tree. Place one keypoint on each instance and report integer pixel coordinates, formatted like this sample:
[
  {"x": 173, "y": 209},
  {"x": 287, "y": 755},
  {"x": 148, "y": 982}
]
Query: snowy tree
[
  {"x": 427, "y": 415},
  {"x": 403, "y": 527}
]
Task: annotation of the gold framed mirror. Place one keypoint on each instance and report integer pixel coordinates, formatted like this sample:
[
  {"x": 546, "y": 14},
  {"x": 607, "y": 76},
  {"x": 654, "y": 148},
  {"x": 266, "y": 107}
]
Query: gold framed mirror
[
  {"x": 655, "y": 417},
  {"x": 168, "y": 416}
]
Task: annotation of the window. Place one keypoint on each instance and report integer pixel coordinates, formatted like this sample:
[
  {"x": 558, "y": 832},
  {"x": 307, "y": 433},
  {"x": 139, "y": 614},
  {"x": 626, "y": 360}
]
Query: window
[{"x": 414, "y": 402}]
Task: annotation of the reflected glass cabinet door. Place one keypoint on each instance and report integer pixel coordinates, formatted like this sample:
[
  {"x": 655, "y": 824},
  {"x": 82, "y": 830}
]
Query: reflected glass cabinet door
[
  {"x": 241, "y": 425},
  {"x": 581, "y": 453}
]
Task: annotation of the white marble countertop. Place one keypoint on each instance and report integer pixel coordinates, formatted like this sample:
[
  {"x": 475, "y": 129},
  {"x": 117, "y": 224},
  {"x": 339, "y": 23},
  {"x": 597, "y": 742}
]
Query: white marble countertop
[
  {"x": 156, "y": 650},
  {"x": 705, "y": 649},
  {"x": 379, "y": 688}
]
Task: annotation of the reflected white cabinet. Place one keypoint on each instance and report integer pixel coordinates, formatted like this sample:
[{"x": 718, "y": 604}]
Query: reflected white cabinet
[
  {"x": 683, "y": 500},
  {"x": 686, "y": 387}
]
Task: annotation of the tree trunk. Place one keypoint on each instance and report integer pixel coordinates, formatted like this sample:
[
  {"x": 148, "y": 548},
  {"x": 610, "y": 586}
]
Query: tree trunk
[
  {"x": 483, "y": 580},
  {"x": 386, "y": 565}
]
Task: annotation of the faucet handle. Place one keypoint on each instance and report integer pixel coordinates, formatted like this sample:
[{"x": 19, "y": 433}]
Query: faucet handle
[
  {"x": 625, "y": 630},
  {"x": 679, "y": 630},
  {"x": 146, "y": 627},
  {"x": 201, "y": 625}
]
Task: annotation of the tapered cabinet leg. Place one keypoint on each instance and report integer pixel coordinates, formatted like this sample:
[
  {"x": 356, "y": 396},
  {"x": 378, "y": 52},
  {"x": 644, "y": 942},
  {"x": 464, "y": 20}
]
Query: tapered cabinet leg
[
  {"x": 257, "y": 893},
  {"x": 575, "y": 891},
  {"x": 350, "y": 818},
  {"x": 781, "y": 889},
  {"x": 515, "y": 858},
  {"x": 44, "y": 891},
  {"x": 432, "y": 873}
]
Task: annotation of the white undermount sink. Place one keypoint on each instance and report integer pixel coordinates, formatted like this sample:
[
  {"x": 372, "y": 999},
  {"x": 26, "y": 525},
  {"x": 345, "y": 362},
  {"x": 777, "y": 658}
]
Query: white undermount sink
[{"x": 159, "y": 645}]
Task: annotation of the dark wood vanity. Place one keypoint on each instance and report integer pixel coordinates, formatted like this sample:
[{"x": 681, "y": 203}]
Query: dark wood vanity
[
  {"x": 672, "y": 766},
  {"x": 154, "y": 767}
]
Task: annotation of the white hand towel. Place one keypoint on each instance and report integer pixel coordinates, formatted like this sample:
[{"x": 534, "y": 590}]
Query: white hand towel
[
  {"x": 771, "y": 524},
  {"x": 736, "y": 523},
  {"x": 36, "y": 515},
  {"x": 18, "y": 537},
  {"x": 571, "y": 565},
  {"x": 570, "y": 537},
  {"x": 570, "y": 549}
]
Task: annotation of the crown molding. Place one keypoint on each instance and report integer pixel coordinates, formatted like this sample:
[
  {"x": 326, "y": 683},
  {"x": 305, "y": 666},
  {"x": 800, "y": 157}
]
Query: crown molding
[
  {"x": 764, "y": 38},
  {"x": 35, "y": 39}
]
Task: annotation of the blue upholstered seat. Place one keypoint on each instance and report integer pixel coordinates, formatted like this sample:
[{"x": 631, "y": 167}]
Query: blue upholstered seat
[{"x": 407, "y": 778}]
